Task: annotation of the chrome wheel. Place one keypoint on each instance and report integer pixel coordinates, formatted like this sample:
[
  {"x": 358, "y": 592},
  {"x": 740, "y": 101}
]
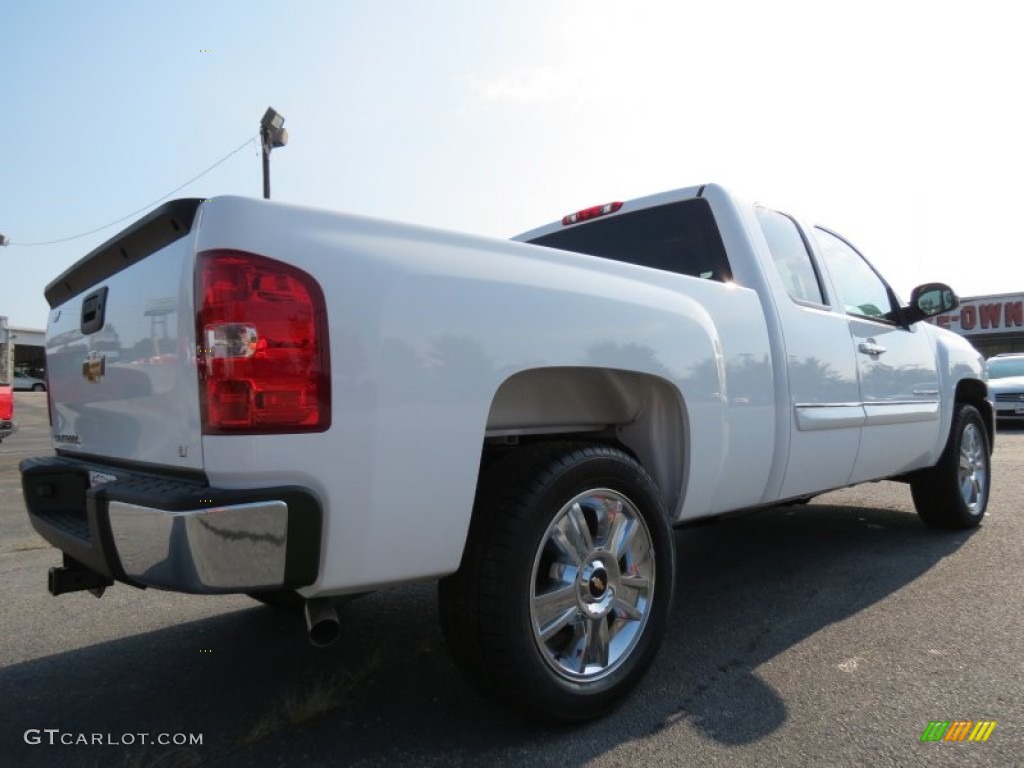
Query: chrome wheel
[
  {"x": 592, "y": 585},
  {"x": 973, "y": 474},
  {"x": 554, "y": 608}
]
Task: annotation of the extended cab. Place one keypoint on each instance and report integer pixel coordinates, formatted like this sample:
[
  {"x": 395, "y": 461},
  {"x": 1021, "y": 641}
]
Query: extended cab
[{"x": 302, "y": 405}]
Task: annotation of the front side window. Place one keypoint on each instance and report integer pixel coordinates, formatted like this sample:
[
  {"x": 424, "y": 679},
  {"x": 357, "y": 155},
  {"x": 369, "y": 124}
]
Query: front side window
[
  {"x": 791, "y": 257},
  {"x": 861, "y": 291}
]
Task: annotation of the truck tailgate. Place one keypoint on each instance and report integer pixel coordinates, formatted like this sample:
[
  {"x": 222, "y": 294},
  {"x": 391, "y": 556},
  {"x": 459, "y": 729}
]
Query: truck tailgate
[{"x": 120, "y": 347}]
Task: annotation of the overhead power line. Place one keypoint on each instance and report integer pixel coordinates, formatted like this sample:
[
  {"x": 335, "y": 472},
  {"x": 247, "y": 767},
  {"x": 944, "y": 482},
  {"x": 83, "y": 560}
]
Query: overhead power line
[{"x": 232, "y": 153}]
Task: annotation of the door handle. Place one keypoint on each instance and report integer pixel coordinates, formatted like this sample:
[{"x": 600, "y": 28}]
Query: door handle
[{"x": 870, "y": 347}]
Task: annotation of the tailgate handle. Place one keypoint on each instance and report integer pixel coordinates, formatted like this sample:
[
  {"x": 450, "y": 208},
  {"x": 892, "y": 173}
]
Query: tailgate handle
[{"x": 93, "y": 307}]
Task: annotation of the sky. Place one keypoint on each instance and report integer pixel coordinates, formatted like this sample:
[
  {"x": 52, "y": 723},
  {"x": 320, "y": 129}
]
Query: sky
[{"x": 898, "y": 124}]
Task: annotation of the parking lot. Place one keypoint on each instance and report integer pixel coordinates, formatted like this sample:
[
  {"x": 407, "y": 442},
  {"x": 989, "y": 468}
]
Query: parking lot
[{"x": 829, "y": 634}]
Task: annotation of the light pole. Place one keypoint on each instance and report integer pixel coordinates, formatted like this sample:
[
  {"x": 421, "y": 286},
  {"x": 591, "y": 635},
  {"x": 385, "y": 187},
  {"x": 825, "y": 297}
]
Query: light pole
[{"x": 272, "y": 135}]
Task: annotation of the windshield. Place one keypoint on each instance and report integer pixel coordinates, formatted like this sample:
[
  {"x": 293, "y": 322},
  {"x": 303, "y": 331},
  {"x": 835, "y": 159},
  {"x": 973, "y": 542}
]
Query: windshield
[{"x": 1000, "y": 368}]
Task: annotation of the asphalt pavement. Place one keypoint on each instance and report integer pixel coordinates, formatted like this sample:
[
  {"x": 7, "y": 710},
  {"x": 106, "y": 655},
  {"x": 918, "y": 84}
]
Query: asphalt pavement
[{"x": 829, "y": 634}]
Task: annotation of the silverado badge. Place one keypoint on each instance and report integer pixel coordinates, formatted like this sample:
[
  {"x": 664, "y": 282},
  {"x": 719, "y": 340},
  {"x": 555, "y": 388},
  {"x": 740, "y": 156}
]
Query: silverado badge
[{"x": 94, "y": 367}]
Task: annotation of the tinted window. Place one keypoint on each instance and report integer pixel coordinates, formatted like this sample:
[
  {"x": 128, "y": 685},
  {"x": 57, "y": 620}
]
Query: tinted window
[
  {"x": 679, "y": 237},
  {"x": 861, "y": 291},
  {"x": 792, "y": 260}
]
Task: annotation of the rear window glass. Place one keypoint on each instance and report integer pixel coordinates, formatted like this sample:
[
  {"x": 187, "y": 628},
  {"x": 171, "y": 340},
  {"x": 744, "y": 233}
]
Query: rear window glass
[{"x": 679, "y": 237}]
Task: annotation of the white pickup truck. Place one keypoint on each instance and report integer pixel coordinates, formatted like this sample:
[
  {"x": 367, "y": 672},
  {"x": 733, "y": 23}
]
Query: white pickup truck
[{"x": 302, "y": 405}]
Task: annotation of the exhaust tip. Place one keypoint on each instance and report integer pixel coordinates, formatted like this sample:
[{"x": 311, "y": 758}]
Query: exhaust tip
[{"x": 322, "y": 622}]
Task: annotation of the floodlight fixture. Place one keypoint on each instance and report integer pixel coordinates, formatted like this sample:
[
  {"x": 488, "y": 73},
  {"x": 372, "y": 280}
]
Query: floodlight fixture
[
  {"x": 272, "y": 119},
  {"x": 272, "y": 126},
  {"x": 272, "y": 135}
]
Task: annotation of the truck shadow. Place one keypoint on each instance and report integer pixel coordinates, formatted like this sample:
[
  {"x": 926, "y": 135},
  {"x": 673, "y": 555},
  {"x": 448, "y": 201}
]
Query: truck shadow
[{"x": 387, "y": 693}]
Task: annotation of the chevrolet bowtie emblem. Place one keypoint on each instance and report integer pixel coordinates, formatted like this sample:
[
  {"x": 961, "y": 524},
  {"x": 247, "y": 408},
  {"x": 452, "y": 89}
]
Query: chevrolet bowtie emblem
[{"x": 94, "y": 367}]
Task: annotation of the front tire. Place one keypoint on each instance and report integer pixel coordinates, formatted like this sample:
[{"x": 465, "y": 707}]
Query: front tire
[
  {"x": 566, "y": 584},
  {"x": 954, "y": 493}
]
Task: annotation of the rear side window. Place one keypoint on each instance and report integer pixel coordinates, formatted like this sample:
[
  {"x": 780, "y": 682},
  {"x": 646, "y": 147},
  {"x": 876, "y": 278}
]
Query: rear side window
[
  {"x": 791, "y": 257},
  {"x": 679, "y": 237}
]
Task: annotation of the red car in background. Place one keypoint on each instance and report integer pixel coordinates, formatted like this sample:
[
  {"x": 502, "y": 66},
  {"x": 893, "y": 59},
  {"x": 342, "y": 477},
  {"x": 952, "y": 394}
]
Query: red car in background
[{"x": 7, "y": 425}]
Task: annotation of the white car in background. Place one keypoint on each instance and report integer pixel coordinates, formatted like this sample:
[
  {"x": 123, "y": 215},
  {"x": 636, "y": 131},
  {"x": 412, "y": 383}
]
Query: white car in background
[
  {"x": 1006, "y": 386},
  {"x": 24, "y": 383}
]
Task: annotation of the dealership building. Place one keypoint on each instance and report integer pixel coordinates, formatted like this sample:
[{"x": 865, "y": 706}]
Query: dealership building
[
  {"x": 21, "y": 349},
  {"x": 993, "y": 324}
]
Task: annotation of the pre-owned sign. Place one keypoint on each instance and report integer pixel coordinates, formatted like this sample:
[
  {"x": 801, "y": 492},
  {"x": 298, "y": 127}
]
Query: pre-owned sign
[{"x": 986, "y": 314}]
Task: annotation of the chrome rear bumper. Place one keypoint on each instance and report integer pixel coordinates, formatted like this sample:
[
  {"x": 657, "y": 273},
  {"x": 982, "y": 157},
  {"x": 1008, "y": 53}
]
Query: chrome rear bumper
[
  {"x": 174, "y": 533},
  {"x": 240, "y": 547}
]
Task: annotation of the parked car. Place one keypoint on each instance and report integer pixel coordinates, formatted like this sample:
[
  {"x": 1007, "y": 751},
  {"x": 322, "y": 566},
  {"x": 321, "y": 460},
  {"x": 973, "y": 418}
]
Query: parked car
[
  {"x": 1006, "y": 386},
  {"x": 25, "y": 383}
]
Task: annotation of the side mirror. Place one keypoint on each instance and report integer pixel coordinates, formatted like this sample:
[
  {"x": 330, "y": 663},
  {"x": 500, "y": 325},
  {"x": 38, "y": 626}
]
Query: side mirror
[{"x": 929, "y": 300}]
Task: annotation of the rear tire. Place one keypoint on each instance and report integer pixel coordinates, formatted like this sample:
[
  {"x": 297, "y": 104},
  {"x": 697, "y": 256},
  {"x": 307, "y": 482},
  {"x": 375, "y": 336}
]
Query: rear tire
[
  {"x": 566, "y": 582},
  {"x": 954, "y": 493},
  {"x": 38, "y": 388}
]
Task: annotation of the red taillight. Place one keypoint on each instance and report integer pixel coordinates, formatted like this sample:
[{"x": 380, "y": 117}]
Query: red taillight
[
  {"x": 261, "y": 336},
  {"x": 590, "y": 213}
]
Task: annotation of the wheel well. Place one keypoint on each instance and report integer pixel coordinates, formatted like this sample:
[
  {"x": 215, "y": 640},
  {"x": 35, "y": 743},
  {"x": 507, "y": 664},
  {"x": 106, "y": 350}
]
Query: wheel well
[
  {"x": 974, "y": 392},
  {"x": 643, "y": 414}
]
